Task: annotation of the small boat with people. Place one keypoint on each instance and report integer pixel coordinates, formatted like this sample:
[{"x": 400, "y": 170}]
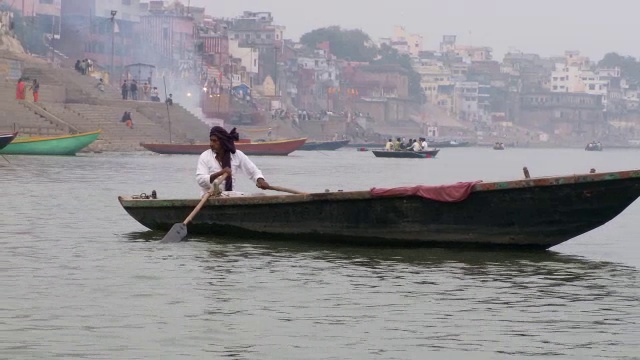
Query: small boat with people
[
  {"x": 498, "y": 146},
  {"x": 534, "y": 213},
  {"x": 406, "y": 154},
  {"x": 593, "y": 146}
]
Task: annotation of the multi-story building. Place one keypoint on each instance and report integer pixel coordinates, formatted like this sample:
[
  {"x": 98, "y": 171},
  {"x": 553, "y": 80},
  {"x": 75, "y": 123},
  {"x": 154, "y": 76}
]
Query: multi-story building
[
  {"x": 566, "y": 78},
  {"x": 100, "y": 30},
  {"x": 433, "y": 74},
  {"x": 465, "y": 101},
  {"x": 169, "y": 38},
  {"x": 41, "y": 17},
  {"x": 563, "y": 114},
  {"x": 473, "y": 53},
  {"x": 404, "y": 42},
  {"x": 255, "y": 30}
]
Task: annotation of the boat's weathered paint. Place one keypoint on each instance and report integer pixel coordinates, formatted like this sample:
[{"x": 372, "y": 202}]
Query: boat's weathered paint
[
  {"x": 406, "y": 154},
  {"x": 6, "y": 139},
  {"x": 533, "y": 213},
  {"x": 278, "y": 147},
  {"x": 324, "y": 145},
  {"x": 51, "y": 145}
]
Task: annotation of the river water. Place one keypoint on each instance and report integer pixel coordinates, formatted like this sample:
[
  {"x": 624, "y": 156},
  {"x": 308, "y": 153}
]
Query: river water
[{"x": 82, "y": 279}]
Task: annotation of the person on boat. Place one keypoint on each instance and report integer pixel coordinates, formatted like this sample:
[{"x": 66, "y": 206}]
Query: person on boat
[
  {"x": 416, "y": 145},
  {"x": 224, "y": 158},
  {"x": 424, "y": 144},
  {"x": 389, "y": 146},
  {"x": 396, "y": 144}
]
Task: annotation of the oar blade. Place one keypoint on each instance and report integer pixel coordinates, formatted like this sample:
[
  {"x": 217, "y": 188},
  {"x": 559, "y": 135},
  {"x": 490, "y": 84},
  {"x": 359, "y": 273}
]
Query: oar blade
[{"x": 177, "y": 233}]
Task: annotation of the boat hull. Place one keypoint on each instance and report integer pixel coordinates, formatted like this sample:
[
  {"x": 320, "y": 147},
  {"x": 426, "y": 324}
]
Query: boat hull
[
  {"x": 6, "y": 139},
  {"x": 533, "y": 213},
  {"x": 275, "y": 148},
  {"x": 55, "y": 145},
  {"x": 324, "y": 145},
  {"x": 426, "y": 154},
  {"x": 444, "y": 144}
]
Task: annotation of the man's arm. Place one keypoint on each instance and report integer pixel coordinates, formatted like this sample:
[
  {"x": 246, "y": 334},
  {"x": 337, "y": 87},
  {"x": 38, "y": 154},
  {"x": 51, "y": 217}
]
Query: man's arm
[{"x": 251, "y": 170}]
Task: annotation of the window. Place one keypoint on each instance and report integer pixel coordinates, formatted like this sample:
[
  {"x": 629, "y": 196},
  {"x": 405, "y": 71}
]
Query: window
[
  {"x": 46, "y": 1},
  {"x": 268, "y": 36},
  {"x": 126, "y": 2}
]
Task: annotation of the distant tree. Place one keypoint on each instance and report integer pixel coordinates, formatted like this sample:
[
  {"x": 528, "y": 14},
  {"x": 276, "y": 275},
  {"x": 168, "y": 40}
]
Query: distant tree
[
  {"x": 354, "y": 45},
  {"x": 388, "y": 56},
  {"x": 629, "y": 66}
]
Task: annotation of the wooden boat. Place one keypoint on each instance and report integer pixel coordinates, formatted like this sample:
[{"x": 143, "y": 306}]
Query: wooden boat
[
  {"x": 498, "y": 146},
  {"x": 6, "y": 139},
  {"x": 278, "y": 147},
  {"x": 406, "y": 154},
  {"x": 535, "y": 213},
  {"x": 448, "y": 143},
  {"x": 323, "y": 145},
  {"x": 593, "y": 146},
  {"x": 51, "y": 145}
]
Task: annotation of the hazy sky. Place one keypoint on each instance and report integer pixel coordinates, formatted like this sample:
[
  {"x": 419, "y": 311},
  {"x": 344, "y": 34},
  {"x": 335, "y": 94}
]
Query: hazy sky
[{"x": 547, "y": 27}]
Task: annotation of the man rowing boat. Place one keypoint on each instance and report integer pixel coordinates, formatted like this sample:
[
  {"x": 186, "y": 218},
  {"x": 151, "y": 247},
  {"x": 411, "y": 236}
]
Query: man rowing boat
[{"x": 224, "y": 158}]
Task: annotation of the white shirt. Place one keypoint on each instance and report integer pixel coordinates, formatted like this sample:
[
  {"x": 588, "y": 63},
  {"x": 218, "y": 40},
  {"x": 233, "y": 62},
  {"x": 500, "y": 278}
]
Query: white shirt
[
  {"x": 424, "y": 145},
  {"x": 416, "y": 146},
  {"x": 240, "y": 163}
]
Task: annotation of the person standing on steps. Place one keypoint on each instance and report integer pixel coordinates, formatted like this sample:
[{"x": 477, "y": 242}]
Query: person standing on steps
[
  {"x": 125, "y": 90},
  {"x": 20, "y": 90},
  {"x": 35, "y": 88}
]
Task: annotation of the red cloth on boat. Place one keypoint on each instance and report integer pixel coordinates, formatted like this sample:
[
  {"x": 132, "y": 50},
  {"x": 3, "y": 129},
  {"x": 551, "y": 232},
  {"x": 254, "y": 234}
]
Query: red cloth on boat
[{"x": 446, "y": 193}]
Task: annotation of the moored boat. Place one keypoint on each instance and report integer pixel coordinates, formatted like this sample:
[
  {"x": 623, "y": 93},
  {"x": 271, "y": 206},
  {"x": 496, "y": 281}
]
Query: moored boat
[
  {"x": 277, "y": 147},
  {"x": 448, "y": 143},
  {"x": 324, "y": 145},
  {"x": 406, "y": 154},
  {"x": 6, "y": 139},
  {"x": 535, "y": 213},
  {"x": 51, "y": 145}
]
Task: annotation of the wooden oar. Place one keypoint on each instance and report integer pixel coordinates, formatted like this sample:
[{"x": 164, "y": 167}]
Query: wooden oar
[
  {"x": 179, "y": 231},
  {"x": 290, "y": 191}
]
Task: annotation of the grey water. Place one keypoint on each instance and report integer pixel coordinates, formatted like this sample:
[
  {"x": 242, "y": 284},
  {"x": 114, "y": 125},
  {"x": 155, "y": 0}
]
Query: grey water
[{"x": 79, "y": 278}]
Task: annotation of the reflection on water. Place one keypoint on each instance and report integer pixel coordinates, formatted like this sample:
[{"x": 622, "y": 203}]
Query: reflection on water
[{"x": 82, "y": 279}]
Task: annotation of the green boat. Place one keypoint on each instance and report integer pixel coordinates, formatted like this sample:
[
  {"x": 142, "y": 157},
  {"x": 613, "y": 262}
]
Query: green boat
[{"x": 51, "y": 145}]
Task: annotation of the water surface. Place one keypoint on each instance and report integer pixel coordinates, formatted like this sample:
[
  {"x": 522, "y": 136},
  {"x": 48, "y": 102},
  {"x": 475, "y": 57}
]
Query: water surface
[{"x": 81, "y": 279}]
